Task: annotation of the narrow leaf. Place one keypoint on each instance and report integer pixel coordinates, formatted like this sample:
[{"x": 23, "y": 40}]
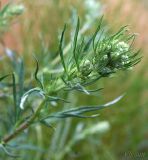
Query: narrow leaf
[
  {"x": 78, "y": 112},
  {"x": 51, "y": 98},
  {"x": 36, "y": 73},
  {"x": 75, "y": 43},
  {"x": 61, "y": 50},
  {"x": 21, "y": 79},
  {"x": 1, "y": 78},
  {"x": 27, "y": 94},
  {"x": 14, "y": 95},
  {"x": 96, "y": 32},
  {"x": 7, "y": 152}
]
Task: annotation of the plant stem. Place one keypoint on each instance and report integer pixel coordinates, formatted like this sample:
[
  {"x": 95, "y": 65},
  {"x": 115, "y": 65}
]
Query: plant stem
[
  {"x": 16, "y": 132},
  {"x": 23, "y": 126}
]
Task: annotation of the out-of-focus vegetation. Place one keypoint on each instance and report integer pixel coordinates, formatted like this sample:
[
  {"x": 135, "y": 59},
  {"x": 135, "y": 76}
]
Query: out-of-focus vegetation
[{"x": 119, "y": 131}]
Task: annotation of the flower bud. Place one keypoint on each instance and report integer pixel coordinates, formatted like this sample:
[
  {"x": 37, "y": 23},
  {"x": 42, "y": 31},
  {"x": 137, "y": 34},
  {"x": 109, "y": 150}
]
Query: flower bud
[
  {"x": 86, "y": 68},
  {"x": 105, "y": 71},
  {"x": 122, "y": 46}
]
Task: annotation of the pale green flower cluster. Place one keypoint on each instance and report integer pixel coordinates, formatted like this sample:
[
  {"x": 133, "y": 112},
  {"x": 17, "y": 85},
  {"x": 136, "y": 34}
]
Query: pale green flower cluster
[
  {"x": 111, "y": 56},
  {"x": 121, "y": 51}
]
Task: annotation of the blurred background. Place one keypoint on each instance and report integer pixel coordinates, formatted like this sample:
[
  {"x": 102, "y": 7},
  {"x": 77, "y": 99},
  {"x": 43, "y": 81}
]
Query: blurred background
[{"x": 119, "y": 130}]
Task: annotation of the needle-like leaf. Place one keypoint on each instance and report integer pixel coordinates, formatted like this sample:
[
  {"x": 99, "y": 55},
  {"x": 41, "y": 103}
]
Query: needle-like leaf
[
  {"x": 36, "y": 73},
  {"x": 14, "y": 96},
  {"x": 3, "y": 77},
  {"x": 61, "y": 50},
  {"x": 97, "y": 30},
  {"x": 75, "y": 43},
  {"x": 78, "y": 112}
]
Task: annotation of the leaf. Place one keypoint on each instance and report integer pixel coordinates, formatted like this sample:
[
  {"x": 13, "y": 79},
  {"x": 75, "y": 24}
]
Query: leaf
[
  {"x": 21, "y": 79},
  {"x": 61, "y": 50},
  {"x": 92, "y": 81},
  {"x": 98, "y": 40},
  {"x": 14, "y": 95},
  {"x": 27, "y": 94},
  {"x": 135, "y": 54},
  {"x": 1, "y": 78},
  {"x": 36, "y": 73},
  {"x": 75, "y": 43},
  {"x": 51, "y": 98},
  {"x": 96, "y": 32},
  {"x": 14, "y": 92},
  {"x": 7, "y": 152},
  {"x": 78, "y": 112},
  {"x": 80, "y": 88},
  {"x": 46, "y": 124},
  {"x": 120, "y": 32},
  {"x": 27, "y": 147},
  {"x": 114, "y": 101}
]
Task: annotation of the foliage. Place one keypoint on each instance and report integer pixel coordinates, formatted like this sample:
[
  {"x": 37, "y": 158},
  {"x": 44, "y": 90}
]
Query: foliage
[{"x": 86, "y": 62}]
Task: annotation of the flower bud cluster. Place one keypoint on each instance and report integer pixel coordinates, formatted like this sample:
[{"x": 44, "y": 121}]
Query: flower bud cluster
[
  {"x": 112, "y": 55},
  {"x": 103, "y": 57}
]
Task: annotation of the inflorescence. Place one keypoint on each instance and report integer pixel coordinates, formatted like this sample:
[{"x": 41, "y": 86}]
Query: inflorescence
[{"x": 104, "y": 56}]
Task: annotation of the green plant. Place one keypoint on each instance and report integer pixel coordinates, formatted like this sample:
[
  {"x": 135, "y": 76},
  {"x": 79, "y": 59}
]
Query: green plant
[{"x": 87, "y": 61}]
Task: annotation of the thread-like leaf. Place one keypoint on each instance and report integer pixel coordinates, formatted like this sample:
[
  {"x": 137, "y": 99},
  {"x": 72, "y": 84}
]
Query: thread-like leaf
[
  {"x": 36, "y": 73},
  {"x": 51, "y": 98},
  {"x": 27, "y": 94},
  {"x": 78, "y": 112},
  {"x": 61, "y": 50},
  {"x": 75, "y": 43},
  {"x": 82, "y": 89},
  {"x": 2, "y": 78},
  {"x": 92, "y": 81},
  {"x": 7, "y": 152},
  {"x": 21, "y": 79},
  {"x": 81, "y": 48},
  {"x": 98, "y": 40},
  {"x": 14, "y": 95},
  {"x": 96, "y": 32},
  {"x": 120, "y": 32},
  {"x": 46, "y": 124}
]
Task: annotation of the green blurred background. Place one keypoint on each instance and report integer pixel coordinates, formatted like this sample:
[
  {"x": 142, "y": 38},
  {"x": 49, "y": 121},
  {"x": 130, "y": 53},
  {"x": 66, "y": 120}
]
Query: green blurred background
[{"x": 124, "y": 131}]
